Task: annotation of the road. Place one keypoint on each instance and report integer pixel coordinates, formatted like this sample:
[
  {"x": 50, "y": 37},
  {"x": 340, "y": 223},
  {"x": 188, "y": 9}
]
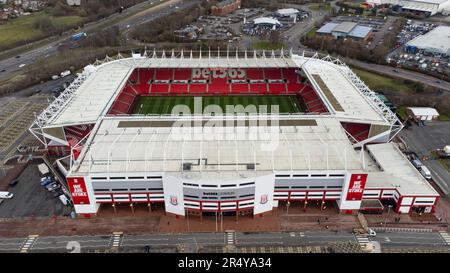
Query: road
[
  {"x": 401, "y": 73},
  {"x": 304, "y": 26},
  {"x": 423, "y": 140},
  {"x": 129, "y": 19},
  {"x": 194, "y": 241}
]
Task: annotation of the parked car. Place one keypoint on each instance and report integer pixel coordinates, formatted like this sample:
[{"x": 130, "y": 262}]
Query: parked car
[
  {"x": 425, "y": 172},
  {"x": 46, "y": 181},
  {"x": 6, "y": 195},
  {"x": 63, "y": 198},
  {"x": 417, "y": 163},
  {"x": 52, "y": 186}
]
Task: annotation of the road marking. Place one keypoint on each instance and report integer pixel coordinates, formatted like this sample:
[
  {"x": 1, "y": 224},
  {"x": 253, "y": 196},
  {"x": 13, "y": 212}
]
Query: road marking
[
  {"x": 29, "y": 242},
  {"x": 231, "y": 237},
  {"x": 362, "y": 240},
  {"x": 445, "y": 236},
  {"x": 116, "y": 239}
]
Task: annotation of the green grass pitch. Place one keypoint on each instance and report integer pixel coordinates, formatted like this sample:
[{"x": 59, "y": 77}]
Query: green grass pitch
[{"x": 164, "y": 104}]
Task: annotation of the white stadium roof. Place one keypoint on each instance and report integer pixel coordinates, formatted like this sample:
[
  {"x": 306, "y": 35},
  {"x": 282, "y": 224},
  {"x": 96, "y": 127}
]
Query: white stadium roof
[
  {"x": 393, "y": 162},
  {"x": 135, "y": 145},
  {"x": 93, "y": 95},
  {"x": 301, "y": 143},
  {"x": 89, "y": 99},
  {"x": 354, "y": 105}
]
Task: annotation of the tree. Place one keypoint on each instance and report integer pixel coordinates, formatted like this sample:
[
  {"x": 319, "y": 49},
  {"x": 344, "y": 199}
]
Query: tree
[
  {"x": 44, "y": 24},
  {"x": 274, "y": 37}
]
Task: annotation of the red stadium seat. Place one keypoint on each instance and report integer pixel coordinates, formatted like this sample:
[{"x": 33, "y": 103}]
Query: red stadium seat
[
  {"x": 164, "y": 74},
  {"x": 240, "y": 88},
  {"x": 290, "y": 75},
  {"x": 295, "y": 88},
  {"x": 182, "y": 74},
  {"x": 219, "y": 86},
  {"x": 159, "y": 88},
  {"x": 255, "y": 74},
  {"x": 358, "y": 131},
  {"x": 199, "y": 88},
  {"x": 273, "y": 74},
  {"x": 258, "y": 88},
  {"x": 277, "y": 88},
  {"x": 178, "y": 88}
]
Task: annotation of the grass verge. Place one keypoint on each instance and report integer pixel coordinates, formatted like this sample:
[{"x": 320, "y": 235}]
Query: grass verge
[
  {"x": 378, "y": 82},
  {"x": 21, "y": 29}
]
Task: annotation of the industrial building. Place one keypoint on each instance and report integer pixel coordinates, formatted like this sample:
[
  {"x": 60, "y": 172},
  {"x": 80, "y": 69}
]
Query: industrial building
[
  {"x": 427, "y": 7},
  {"x": 436, "y": 41},
  {"x": 336, "y": 150},
  {"x": 345, "y": 30}
]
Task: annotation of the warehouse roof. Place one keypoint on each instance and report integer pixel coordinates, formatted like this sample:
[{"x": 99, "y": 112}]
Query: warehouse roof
[
  {"x": 350, "y": 28},
  {"x": 327, "y": 28},
  {"x": 360, "y": 31},
  {"x": 345, "y": 27},
  {"x": 436, "y": 40}
]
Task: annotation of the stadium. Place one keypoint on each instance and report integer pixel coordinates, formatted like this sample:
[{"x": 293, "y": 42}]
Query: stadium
[{"x": 232, "y": 133}]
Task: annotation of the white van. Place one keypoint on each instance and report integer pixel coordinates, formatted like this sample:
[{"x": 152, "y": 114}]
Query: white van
[
  {"x": 6, "y": 195},
  {"x": 64, "y": 200},
  {"x": 425, "y": 172}
]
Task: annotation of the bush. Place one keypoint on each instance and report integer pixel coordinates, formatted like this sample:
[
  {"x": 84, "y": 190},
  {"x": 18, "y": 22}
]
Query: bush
[{"x": 44, "y": 24}]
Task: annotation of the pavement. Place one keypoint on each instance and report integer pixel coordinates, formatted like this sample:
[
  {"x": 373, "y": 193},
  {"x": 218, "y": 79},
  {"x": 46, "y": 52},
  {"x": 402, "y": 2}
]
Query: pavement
[
  {"x": 424, "y": 140},
  {"x": 149, "y": 12}
]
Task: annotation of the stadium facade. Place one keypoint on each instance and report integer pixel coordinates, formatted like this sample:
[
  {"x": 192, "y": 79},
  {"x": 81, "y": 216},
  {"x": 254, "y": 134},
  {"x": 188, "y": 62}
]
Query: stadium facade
[{"x": 199, "y": 159}]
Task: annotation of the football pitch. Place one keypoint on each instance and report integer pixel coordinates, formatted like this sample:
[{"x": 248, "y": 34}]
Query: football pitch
[{"x": 165, "y": 105}]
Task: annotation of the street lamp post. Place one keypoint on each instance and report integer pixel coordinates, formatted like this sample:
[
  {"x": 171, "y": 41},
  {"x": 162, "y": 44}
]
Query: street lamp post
[
  {"x": 216, "y": 220},
  {"x": 187, "y": 218},
  {"x": 389, "y": 210}
]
